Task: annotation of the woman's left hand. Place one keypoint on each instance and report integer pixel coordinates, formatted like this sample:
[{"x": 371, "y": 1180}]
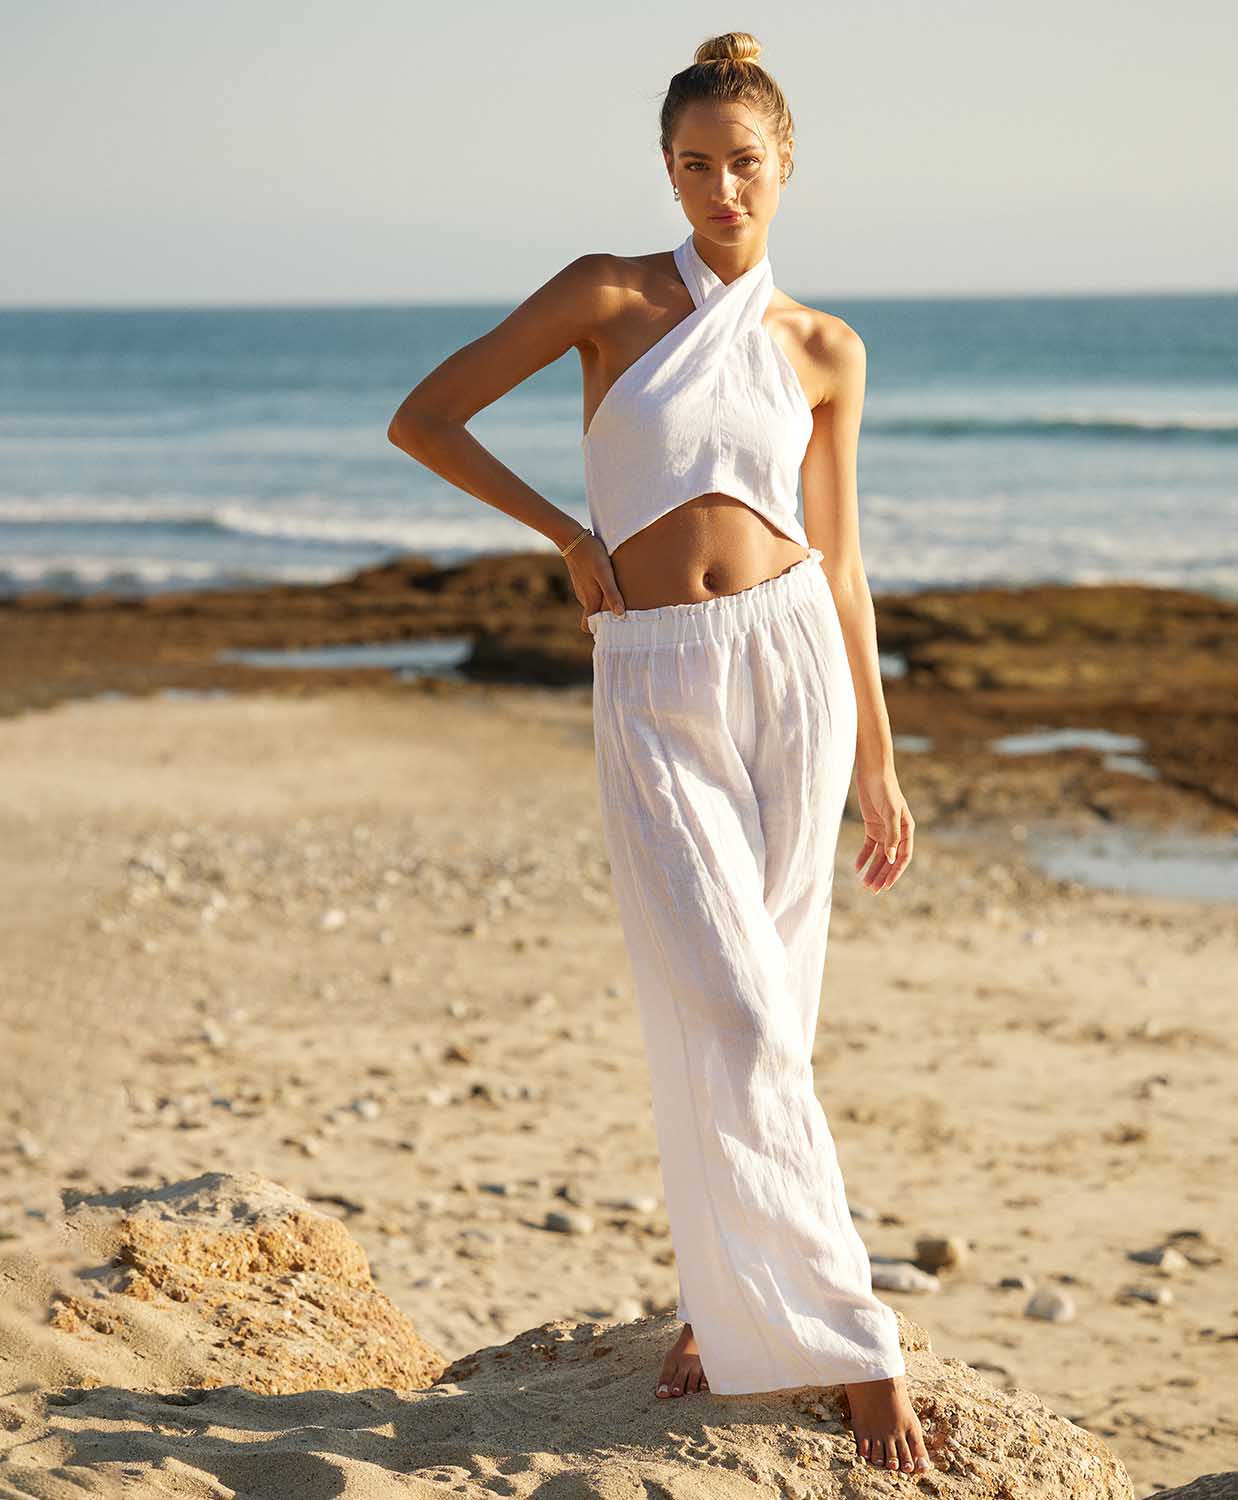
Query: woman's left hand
[{"x": 889, "y": 829}]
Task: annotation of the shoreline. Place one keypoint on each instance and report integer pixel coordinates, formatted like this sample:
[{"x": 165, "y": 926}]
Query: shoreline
[{"x": 1128, "y": 687}]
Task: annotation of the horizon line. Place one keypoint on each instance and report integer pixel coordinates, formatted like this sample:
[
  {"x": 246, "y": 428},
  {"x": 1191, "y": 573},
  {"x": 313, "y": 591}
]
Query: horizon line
[{"x": 329, "y": 303}]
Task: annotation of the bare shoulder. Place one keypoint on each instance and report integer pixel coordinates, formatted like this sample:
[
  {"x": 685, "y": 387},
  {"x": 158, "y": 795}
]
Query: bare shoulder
[
  {"x": 832, "y": 338},
  {"x": 587, "y": 287},
  {"x": 621, "y": 284},
  {"x": 828, "y": 352},
  {"x": 837, "y": 354}
]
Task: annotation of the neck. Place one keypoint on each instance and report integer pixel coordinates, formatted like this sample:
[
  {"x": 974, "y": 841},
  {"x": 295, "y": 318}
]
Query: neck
[{"x": 729, "y": 262}]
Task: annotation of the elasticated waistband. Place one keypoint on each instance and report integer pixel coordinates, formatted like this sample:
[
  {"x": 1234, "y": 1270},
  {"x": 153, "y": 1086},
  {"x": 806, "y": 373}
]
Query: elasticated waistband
[{"x": 714, "y": 619}]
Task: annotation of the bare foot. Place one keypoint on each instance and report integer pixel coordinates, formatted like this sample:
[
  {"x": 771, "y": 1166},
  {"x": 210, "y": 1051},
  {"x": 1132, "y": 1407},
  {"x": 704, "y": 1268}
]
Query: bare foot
[
  {"x": 681, "y": 1369},
  {"x": 887, "y": 1431}
]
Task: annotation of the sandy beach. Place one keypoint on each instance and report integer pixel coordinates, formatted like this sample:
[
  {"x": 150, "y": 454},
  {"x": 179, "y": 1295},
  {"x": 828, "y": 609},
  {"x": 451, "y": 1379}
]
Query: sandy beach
[{"x": 360, "y": 941}]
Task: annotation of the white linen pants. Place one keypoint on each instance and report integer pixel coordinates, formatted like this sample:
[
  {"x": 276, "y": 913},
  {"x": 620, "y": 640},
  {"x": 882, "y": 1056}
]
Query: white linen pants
[{"x": 725, "y": 733}]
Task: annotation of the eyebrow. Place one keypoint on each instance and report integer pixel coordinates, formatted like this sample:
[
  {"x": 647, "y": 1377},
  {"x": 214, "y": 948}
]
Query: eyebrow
[{"x": 706, "y": 157}]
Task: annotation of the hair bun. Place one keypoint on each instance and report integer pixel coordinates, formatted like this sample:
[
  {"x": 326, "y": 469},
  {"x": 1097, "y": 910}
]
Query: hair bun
[{"x": 731, "y": 46}]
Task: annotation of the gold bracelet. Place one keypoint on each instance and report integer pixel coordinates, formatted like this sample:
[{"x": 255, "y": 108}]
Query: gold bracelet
[{"x": 583, "y": 532}]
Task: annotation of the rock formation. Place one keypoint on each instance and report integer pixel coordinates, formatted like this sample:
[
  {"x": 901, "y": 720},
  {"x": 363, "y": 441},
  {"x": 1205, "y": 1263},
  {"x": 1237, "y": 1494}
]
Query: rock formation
[{"x": 246, "y": 1349}]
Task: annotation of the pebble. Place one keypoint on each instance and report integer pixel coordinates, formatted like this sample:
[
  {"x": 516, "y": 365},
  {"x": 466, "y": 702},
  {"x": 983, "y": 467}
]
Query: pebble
[
  {"x": 862, "y": 1211},
  {"x": 520, "y": 1091},
  {"x": 1022, "y": 1282},
  {"x": 1165, "y": 1258},
  {"x": 627, "y": 1310},
  {"x": 368, "y": 1109},
  {"x": 902, "y": 1276},
  {"x": 1200, "y": 1255},
  {"x": 1052, "y": 1304},
  {"x": 332, "y": 919},
  {"x": 941, "y": 1254},
  {"x": 568, "y": 1221},
  {"x": 1162, "y": 1296},
  {"x": 479, "y": 1243},
  {"x": 27, "y": 1145}
]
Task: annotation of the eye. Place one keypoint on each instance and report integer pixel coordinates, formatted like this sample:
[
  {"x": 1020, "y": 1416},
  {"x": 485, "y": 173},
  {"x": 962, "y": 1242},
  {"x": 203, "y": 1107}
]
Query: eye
[{"x": 755, "y": 159}]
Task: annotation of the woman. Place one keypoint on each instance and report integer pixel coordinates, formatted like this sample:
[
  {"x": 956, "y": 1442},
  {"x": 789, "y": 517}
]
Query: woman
[{"x": 736, "y": 684}]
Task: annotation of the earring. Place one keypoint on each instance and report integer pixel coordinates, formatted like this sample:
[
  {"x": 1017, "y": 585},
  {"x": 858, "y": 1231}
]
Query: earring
[{"x": 675, "y": 190}]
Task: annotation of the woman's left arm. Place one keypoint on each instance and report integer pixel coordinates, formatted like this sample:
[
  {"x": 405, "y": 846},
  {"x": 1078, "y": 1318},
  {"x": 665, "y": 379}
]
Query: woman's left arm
[{"x": 832, "y": 522}]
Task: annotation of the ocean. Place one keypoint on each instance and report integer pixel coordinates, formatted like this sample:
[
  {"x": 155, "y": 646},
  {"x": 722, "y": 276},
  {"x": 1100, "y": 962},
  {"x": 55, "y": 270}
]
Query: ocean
[{"x": 1005, "y": 441}]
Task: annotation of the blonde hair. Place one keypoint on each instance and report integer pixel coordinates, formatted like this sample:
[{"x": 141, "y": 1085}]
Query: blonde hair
[{"x": 726, "y": 67}]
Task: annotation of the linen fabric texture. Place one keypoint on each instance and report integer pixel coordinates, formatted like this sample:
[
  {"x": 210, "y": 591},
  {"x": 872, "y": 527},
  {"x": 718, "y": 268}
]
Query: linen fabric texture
[
  {"x": 725, "y": 736},
  {"x": 714, "y": 407}
]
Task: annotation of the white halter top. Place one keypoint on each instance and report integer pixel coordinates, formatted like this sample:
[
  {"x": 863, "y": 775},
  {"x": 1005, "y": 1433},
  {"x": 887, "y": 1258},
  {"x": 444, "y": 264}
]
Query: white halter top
[{"x": 714, "y": 407}]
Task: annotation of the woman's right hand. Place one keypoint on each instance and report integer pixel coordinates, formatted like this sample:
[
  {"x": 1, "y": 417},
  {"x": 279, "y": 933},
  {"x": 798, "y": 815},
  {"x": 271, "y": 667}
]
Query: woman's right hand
[{"x": 588, "y": 564}]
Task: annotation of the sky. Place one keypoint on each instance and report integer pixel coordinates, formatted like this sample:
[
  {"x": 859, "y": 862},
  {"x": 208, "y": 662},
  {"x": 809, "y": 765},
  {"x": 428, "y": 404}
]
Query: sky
[{"x": 250, "y": 151}]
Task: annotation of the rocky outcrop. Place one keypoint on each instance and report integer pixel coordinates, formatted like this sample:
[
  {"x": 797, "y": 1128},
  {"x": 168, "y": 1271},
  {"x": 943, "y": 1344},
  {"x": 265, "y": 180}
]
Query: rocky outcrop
[
  {"x": 1206, "y": 1487},
  {"x": 254, "y": 1285},
  {"x": 967, "y": 666}
]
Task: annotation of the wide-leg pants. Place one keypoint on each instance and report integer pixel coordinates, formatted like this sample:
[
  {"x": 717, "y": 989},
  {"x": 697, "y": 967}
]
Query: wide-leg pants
[{"x": 725, "y": 735}]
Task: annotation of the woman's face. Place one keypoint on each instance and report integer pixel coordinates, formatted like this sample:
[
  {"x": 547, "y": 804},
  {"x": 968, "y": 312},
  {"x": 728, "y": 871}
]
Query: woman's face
[{"x": 723, "y": 160}]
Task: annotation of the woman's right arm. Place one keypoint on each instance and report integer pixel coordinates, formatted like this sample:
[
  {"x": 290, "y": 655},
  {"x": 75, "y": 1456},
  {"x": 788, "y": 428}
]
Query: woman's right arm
[{"x": 430, "y": 423}]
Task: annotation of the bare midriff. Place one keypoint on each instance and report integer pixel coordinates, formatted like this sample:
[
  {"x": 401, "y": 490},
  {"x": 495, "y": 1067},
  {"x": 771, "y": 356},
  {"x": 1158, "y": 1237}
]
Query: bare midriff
[{"x": 711, "y": 545}]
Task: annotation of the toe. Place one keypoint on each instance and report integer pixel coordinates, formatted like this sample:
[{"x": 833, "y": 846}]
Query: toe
[
  {"x": 919, "y": 1452},
  {"x": 862, "y": 1446},
  {"x": 891, "y": 1444},
  {"x": 904, "y": 1454}
]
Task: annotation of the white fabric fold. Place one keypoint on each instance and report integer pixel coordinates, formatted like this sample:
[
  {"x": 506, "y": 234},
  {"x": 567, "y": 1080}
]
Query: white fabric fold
[{"x": 714, "y": 407}]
